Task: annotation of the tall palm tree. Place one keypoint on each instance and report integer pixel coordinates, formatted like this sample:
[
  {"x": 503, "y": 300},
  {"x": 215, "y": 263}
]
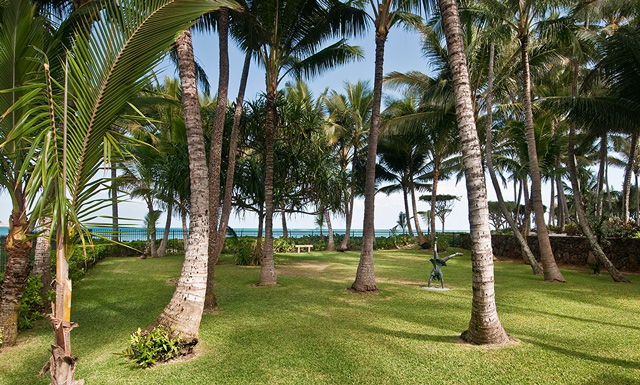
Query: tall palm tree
[
  {"x": 349, "y": 120},
  {"x": 386, "y": 13},
  {"x": 287, "y": 37},
  {"x": 484, "y": 326}
]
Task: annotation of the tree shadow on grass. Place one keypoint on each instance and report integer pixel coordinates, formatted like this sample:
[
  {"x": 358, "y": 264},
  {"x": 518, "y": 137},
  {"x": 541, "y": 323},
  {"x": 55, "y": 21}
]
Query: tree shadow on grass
[
  {"x": 585, "y": 356},
  {"x": 570, "y": 317},
  {"x": 441, "y": 338}
]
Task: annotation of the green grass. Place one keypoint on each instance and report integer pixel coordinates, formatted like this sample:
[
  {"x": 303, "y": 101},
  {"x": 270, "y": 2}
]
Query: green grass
[{"x": 311, "y": 330}]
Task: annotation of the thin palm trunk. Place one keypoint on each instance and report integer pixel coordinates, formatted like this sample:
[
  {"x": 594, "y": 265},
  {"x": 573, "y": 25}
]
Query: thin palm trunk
[
  {"x": 162, "y": 249},
  {"x": 18, "y": 247},
  {"x": 609, "y": 200},
  {"x": 42, "y": 257},
  {"x": 215, "y": 156},
  {"x": 184, "y": 311},
  {"x": 580, "y": 213},
  {"x": 551, "y": 271},
  {"x": 552, "y": 201},
  {"x": 563, "y": 218},
  {"x": 365, "y": 277},
  {"x": 185, "y": 230},
  {"x": 415, "y": 212},
  {"x": 283, "y": 213},
  {"x": 635, "y": 174},
  {"x": 268, "y": 274},
  {"x": 258, "y": 250},
  {"x": 492, "y": 173},
  {"x": 349, "y": 198},
  {"x": 527, "y": 208},
  {"x": 626, "y": 187},
  {"x": 601, "y": 172},
  {"x": 434, "y": 195},
  {"x": 228, "y": 186},
  {"x": 151, "y": 243},
  {"x": 484, "y": 325},
  {"x": 330, "y": 242},
  {"x": 406, "y": 210},
  {"x": 115, "y": 234}
]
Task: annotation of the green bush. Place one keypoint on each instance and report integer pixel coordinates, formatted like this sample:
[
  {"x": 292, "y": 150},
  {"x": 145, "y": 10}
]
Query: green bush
[
  {"x": 283, "y": 245},
  {"x": 572, "y": 229},
  {"x": 443, "y": 244},
  {"x": 149, "y": 348},
  {"x": 619, "y": 229},
  {"x": 31, "y": 303}
]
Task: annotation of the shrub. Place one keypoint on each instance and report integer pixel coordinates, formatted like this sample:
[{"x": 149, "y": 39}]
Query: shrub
[
  {"x": 554, "y": 229},
  {"x": 443, "y": 244},
  {"x": 572, "y": 229},
  {"x": 283, "y": 245},
  {"x": 149, "y": 348},
  {"x": 31, "y": 303},
  {"x": 619, "y": 229}
]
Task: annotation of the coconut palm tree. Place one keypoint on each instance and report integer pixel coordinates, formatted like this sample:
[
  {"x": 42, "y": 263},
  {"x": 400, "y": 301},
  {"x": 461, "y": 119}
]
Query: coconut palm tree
[
  {"x": 287, "y": 37},
  {"x": 484, "y": 326},
  {"x": 106, "y": 67}
]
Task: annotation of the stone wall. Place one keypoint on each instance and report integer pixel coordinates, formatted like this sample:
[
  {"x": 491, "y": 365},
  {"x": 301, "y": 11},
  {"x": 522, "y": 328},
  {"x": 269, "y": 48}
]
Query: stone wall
[{"x": 624, "y": 253}]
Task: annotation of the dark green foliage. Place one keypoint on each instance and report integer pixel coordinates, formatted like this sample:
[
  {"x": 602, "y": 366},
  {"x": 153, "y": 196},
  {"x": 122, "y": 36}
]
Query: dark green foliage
[
  {"x": 619, "y": 229},
  {"x": 572, "y": 230},
  {"x": 31, "y": 304},
  {"x": 284, "y": 245},
  {"x": 443, "y": 244},
  {"x": 149, "y": 348}
]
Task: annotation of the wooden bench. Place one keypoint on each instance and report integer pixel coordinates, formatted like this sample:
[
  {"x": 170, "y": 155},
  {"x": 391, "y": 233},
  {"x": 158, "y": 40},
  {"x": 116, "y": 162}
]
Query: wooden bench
[{"x": 308, "y": 247}]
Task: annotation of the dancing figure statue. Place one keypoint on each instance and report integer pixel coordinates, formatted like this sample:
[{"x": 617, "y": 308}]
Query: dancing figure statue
[{"x": 437, "y": 262}]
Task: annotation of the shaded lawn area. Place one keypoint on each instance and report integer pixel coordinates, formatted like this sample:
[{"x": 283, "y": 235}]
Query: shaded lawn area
[{"x": 311, "y": 330}]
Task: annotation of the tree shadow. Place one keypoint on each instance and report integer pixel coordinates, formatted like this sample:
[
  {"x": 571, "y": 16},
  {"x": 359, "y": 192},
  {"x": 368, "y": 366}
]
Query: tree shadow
[
  {"x": 441, "y": 338},
  {"x": 585, "y": 356}
]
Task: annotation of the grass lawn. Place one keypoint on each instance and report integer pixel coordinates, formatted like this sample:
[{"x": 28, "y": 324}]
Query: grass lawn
[{"x": 310, "y": 330}]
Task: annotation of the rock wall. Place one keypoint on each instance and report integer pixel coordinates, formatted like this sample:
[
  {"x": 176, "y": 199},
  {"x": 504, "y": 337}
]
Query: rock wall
[{"x": 624, "y": 253}]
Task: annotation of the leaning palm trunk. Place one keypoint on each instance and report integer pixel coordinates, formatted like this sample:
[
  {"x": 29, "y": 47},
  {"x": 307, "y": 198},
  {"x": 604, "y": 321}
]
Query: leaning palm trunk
[
  {"x": 162, "y": 249},
  {"x": 406, "y": 210},
  {"x": 184, "y": 311},
  {"x": 601, "y": 171},
  {"x": 215, "y": 157},
  {"x": 349, "y": 198},
  {"x": 626, "y": 187},
  {"x": 492, "y": 173},
  {"x": 330, "y": 242},
  {"x": 365, "y": 277},
  {"x": 42, "y": 257},
  {"x": 434, "y": 195},
  {"x": 484, "y": 326},
  {"x": 18, "y": 246},
  {"x": 228, "y": 186},
  {"x": 415, "y": 212},
  {"x": 551, "y": 271},
  {"x": 582, "y": 217}
]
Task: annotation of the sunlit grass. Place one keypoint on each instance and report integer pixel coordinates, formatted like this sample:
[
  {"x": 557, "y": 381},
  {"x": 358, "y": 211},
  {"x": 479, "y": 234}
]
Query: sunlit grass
[{"x": 309, "y": 329}]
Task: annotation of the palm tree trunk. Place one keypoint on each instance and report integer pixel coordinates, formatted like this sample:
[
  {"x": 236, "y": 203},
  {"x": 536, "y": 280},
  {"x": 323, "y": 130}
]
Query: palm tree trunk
[
  {"x": 185, "y": 230},
  {"x": 268, "y": 274},
  {"x": 283, "y": 213},
  {"x": 562, "y": 204},
  {"x": 635, "y": 174},
  {"x": 42, "y": 258},
  {"x": 349, "y": 198},
  {"x": 527, "y": 208},
  {"x": 580, "y": 213},
  {"x": 228, "y": 187},
  {"x": 152, "y": 232},
  {"x": 492, "y": 173},
  {"x": 484, "y": 325},
  {"x": 415, "y": 212},
  {"x": 518, "y": 200},
  {"x": 406, "y": 210},
  {"x": 258, "y": 250},
  {"x": 434, "y": 195},
  {"x": 330, "y": 243},
  {"x": 626, "y": 187},
  {"x": 365, "y": 277},
  {"x": 16, "y": 272},
  {"x": 552, "y": 202},
  {"x": 184, "y": 311},
  {"x": 601, "y": 172},
  {"x": 114, "y": 204},
  {"x": 551, "y": 271},
  {"x": 215, "y": 156},
  {"x": 162, "y": 250},
  {"x": 609, "y": 200}
]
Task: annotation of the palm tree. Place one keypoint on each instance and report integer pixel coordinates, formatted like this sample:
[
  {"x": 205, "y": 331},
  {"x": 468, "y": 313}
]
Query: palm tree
[
  {"x": 386, "y": 13},
  {"x": 349, "y": 119},
  {"x": 130, "y": 43},
  {"x": 484, "y": 326},
  {"x": 287, "y": 36}
]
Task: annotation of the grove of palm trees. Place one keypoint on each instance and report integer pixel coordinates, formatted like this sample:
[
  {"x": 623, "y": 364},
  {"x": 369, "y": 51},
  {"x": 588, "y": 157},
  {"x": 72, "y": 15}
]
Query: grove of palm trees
[{"x": 539, "y": 98}]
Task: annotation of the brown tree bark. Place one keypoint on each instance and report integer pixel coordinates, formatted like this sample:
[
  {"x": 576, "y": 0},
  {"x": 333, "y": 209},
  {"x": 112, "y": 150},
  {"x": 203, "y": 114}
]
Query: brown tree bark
[
  {"x": 492, "y": 173},
  {"x": 551, "y": 271},
  {"x": 365, "y": 277},
  {"x": 349, "y": 198},
  {"x": 215, "y": 156},
  {"x": 406, "y": 210},
  {"x": 283, "y": 217},
  {"x": 16, "y": 273},
  {"x": 42, "y": 258},
  {"x": 601, "y": 172},
  {"x": 151, "y": 244},
  {"x": 184, "y": 311},
  {"x": 268, "y": 276},
  {"x": 415, "y": 212},
  {"x": 434, "y": 194},
  {"x": 484, "y": 325}
]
